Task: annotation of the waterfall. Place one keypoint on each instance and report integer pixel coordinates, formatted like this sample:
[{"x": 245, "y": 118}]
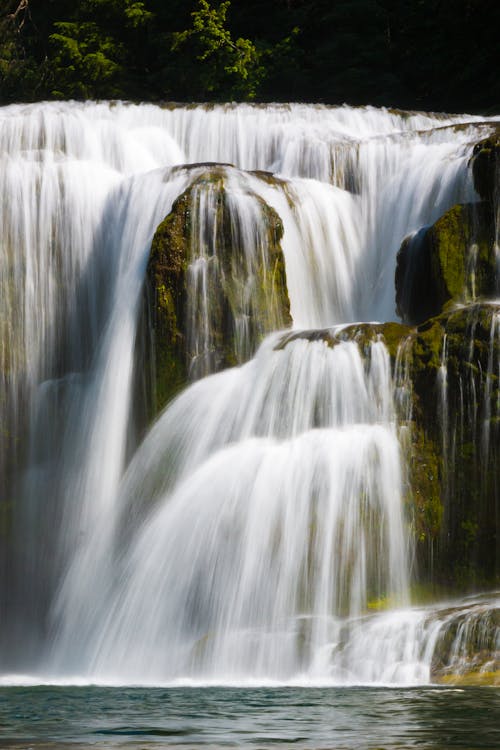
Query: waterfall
[
  {"x": 290, "y": 499},
  {"x": 247, "y": 534}
]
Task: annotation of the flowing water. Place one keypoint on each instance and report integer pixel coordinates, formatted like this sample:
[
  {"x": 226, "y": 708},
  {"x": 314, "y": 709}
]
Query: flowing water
[{"x": 251, "y": 535}]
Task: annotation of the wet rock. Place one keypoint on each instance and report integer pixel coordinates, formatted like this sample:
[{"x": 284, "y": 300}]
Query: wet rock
[
  {"x": 363, "y": 334},
  {"x": 485, "y": 163},
  {"x": 455, "y": 449},
  {"x": 448, "y": 396},
  {"x": 467, "y": 650},
  {"x": 216, "y": 278},
  {"x": 452, "y": 260}
]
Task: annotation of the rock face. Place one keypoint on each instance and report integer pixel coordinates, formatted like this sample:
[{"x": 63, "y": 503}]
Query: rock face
[
  {"x": 485, "y": 164},
  {"x": 467, "y": 648},
  {"x": 392, "y": 334},
  {"x": 216, "y": 278},
  {"x": 453, "y": 362},
  {"x": 453, "y": 260},
  {"x": 445, "y": 275},
  {"x": 447, "y": 381}
]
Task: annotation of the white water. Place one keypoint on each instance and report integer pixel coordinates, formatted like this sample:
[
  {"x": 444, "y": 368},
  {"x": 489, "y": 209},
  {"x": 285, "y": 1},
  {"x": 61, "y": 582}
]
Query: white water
[
  {"x": 265, "y": 505},
  {"x": 228, "y": 258}
]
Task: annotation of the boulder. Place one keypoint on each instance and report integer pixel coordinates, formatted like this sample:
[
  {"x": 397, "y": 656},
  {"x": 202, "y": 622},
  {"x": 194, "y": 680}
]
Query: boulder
[
  {"x": 216, "y": 278},
  {"x": 485, "y": 163},
  {"x": 466, "y": 650},
  {"x": 453, "y": 260}
]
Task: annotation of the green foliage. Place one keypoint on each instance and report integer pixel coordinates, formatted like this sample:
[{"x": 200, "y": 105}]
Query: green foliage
[
  {"x": 230, "y": 68},
  {"x": 402, "y": 54},
  {"x": 85, "y": 62}
]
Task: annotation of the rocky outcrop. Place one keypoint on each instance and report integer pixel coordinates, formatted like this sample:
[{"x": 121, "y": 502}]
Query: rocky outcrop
[
  {"x": 455, "y": 451},
  {"x": 363, "y": 334},
  {"x": 216, "y": 278},
  {"x": 448, "y": 395},
  {"x": 454, "y": 260},
  {"x": 445, "y": 355},
  {"x": 445, "y": 275},
  {"x": 467, "y": 648},
  {"x": 485, "y": 165}
]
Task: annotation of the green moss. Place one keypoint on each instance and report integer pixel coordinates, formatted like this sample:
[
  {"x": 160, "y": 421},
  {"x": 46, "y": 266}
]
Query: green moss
[
  {"x": 364, "y": 334},
  {"x": 450, "y": 407},
  {"x": 469, "y": 679},
  {"x": 463, "y": 261},
  {"x": 381, "y": 604},
  {"x": 167, "y": 281},
  {"x": 448, "y": 261},
  {"x": 424, "y": 491}
]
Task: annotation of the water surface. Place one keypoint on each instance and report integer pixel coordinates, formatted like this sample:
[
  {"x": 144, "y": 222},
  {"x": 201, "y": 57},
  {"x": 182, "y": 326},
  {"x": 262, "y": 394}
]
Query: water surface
[{"x": 313, "y": 718}]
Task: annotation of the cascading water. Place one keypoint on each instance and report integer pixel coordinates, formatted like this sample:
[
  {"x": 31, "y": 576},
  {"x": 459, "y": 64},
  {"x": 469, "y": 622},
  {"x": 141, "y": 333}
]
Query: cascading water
[
  {"x": 248, "y": 534},
  {"x": 284, "y": 515}
]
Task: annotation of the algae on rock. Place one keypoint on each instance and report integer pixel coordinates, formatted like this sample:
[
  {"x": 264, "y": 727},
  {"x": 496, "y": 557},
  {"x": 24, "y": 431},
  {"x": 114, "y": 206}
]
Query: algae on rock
[{"x": 444, "y": 277}]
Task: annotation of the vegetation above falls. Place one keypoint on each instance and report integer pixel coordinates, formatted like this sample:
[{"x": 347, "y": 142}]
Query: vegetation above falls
[{"x": 415, "y": 55}]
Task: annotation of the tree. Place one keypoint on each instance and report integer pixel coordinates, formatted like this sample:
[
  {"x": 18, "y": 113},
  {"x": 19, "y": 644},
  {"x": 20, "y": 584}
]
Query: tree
[
  {"x": 20, "y": 76},
  {"x": 229, "y": 68},
  {"x": 92, "y": 53}
]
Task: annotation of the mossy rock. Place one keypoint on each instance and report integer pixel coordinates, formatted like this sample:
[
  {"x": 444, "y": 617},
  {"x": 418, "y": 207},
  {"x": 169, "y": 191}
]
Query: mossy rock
[
  {"x": 466, "y": 333},
  {"x": 363, "y": 334},
  {"x": 244, "y": 286},
  {"x": 453, "y": 260},
  {"x": 455, "y": 433},
  {"x": 424, "y": 485},
  {"x": 466, "y": 650},
  {"x": 447, "y": 393},
  {"x": 477, "y": 678},
  {"x": 485, "y": 163}
]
